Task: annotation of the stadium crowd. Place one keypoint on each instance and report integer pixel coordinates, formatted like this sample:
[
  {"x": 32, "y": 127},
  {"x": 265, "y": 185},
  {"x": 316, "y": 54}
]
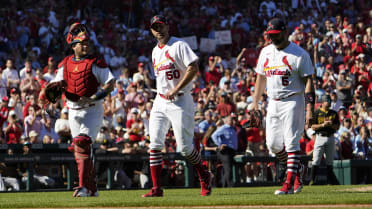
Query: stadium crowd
[{"x": 336, "y": 33}]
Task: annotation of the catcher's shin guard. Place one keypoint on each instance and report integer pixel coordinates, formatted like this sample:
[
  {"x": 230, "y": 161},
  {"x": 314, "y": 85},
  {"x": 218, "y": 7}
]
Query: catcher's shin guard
[{"x": 82, "y": 152}]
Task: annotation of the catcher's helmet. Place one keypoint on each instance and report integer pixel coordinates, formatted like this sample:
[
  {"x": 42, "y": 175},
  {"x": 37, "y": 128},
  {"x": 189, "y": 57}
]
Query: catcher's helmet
[{"x": 77, "y": 33}]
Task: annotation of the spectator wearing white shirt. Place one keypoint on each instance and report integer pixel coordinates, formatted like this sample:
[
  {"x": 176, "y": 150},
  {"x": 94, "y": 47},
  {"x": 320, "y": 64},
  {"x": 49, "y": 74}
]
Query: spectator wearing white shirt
[
  {"x": 10, "y": 75},
  {"x": 62, "y": 127},
  {"x": 3, "y": 90},
  {"x": 28, "y": 67}
]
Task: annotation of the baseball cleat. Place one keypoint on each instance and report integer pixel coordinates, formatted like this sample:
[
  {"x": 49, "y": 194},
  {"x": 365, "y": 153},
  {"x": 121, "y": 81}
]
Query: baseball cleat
[
  {"x": 95, "y": 194},
  {"x": 206, "y": 185},
  {"x": 298, "y": 183},
  {"x": 154, "y": 192},
  {"x": 286, "y": 189},
  {"x": 81, "y": 192}
]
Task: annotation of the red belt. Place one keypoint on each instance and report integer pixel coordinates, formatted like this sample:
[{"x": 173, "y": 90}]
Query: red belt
[
  {"x": 80, "y": 108},
  {"x": 285, "y": 97},
  {"x": 163, "y": 96}
]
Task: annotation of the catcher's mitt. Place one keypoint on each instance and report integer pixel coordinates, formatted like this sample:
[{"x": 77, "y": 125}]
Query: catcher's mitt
[
  {"x": 255, "y": 119},
  {"x": 54, "y": 91}
]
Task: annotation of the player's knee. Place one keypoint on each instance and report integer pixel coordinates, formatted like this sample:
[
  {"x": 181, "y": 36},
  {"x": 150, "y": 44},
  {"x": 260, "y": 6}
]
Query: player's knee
[
  {"x": 274, "y": 147},
  {"x": 186, "y": 150},
  {"x": 82, "y": 143}
]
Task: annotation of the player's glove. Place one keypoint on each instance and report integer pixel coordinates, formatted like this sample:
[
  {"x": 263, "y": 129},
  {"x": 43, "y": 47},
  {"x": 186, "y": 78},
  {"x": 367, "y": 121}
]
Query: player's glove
[
  {"x": 54, "y": 91},
  {"x": 255, "y": 120}
]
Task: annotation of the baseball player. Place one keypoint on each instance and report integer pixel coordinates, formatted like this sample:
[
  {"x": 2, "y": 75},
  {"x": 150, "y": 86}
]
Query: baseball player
[
  {"x": 326, "y": 123},
  {"x": 285, "y": 69},
  {"x": 82, "y": 76},
  {"x": 175, "y": 65}
]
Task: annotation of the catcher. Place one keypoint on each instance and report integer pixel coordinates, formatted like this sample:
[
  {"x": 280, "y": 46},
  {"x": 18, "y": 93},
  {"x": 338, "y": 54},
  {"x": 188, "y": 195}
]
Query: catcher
[{"x": 85, "y": 80}]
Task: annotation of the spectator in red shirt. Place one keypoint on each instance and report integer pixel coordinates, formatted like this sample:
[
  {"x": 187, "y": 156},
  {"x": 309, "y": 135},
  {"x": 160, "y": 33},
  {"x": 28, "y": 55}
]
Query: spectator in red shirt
[
  {"x": 346, "y": 146},
  {"x": 31, "y": 101},
  {"x": 358, "y": 47},
  {"x": 225, "y": 107},
  {"x": 4, "y": 110},
  {"x": 214, "y": 73},
  {"x": 13, "y": 131}
]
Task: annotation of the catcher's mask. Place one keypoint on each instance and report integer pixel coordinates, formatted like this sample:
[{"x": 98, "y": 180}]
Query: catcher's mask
[{"x": 77, "y": 33}]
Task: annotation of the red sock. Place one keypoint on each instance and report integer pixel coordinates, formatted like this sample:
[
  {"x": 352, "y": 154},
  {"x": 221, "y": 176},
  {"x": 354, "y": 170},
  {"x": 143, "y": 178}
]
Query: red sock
[
  {"x": 292, "y": 166},
  {"x": 156, "y": 160}
]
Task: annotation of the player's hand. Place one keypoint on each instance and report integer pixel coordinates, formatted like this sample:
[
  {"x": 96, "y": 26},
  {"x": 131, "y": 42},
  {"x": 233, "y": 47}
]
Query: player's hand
[
  {"x": 254, "y": 106},
  {"x": 170, "y": 95}
]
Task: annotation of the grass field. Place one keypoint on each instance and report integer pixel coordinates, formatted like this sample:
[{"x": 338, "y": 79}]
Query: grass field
[{"x": 241, "y": 197}]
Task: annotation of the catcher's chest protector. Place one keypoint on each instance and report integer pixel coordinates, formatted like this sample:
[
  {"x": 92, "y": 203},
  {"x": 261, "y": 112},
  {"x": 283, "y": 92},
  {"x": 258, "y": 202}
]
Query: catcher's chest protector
[{"x": 79, "y": 78}]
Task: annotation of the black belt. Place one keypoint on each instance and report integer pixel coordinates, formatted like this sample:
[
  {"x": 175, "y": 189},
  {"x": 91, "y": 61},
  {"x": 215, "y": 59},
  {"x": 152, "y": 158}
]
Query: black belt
[
  {"x": 163, "y": 96},
  {"x": 285, "y": 97}
]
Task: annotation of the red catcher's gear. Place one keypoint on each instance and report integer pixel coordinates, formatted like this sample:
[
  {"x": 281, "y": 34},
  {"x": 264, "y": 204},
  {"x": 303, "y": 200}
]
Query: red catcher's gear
[
  {"x": 77, "y": 33},
  {"x": 79, "y": 78},
  {"x": 86, "y": 169}
]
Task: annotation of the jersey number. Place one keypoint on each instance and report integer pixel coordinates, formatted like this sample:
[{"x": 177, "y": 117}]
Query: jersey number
[
  {"x": 175, "y": 74},
  {"x": 285, "y": 81}
]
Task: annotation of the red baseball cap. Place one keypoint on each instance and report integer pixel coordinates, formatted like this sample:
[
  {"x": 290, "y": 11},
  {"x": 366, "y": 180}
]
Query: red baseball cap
[
  {"x": 13, "y": 90},
  {"x": 5, "y": 99},
  {"x": 211, "y": 58},
  {"x": 275, "y": 26},
  {"x": 121, "y": 91},
  {"x": 50, "y": 59},
  {"x": 141, "y": 64},
  {"x": 329, "y": 66}
]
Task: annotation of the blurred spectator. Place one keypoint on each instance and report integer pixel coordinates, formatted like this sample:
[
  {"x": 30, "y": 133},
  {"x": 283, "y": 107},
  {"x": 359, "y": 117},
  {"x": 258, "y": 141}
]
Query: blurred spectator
[
  {"x": 31, "y": 100},
  {"x": 29, "y": 86},
  {"x": 3, "y": 85},
  {"x": 119, "y": 108},
  {"x": 142, "y": 75},
  {"x": 62, "y": 127},
  {"x": 15, "y": 103},
  {"x": 214, "y": 70},
  {"x": 10, "y": 74},
  {"x": 4, "y": 110},
  {"x": 49, "y": 70},
  {"x": 225, "y": 107},
  {"x": 27, "y": 69},
  {"x": 48, "y": 129},
  {"x": 344, "y": 88},
  {"x": 13, "y": 130},
  {"x": 34, "y": 137},
  {"x": 335, "y": 102},
  {"x": 363, "y": 144},
  {"x": 32, "y": 122},
  {"x": 358, "y": 47},
  {"x": 346, "y": 146}
]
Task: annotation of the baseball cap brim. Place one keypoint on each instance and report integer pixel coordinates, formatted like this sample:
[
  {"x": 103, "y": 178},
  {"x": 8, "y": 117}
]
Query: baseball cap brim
[
  {"x": 273, "y": 31},
  {"x": 161, "y": 22}
]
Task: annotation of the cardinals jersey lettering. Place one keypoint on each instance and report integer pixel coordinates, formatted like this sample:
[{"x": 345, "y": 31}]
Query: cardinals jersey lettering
[
  {"x": 284, "y": 70},
  {"x": 170, "y": 63}
]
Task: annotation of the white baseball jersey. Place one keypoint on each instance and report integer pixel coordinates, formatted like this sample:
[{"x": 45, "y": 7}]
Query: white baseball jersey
[
  {"x": 170, "y": 63},
  {"x": 284, "y": 69}
]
